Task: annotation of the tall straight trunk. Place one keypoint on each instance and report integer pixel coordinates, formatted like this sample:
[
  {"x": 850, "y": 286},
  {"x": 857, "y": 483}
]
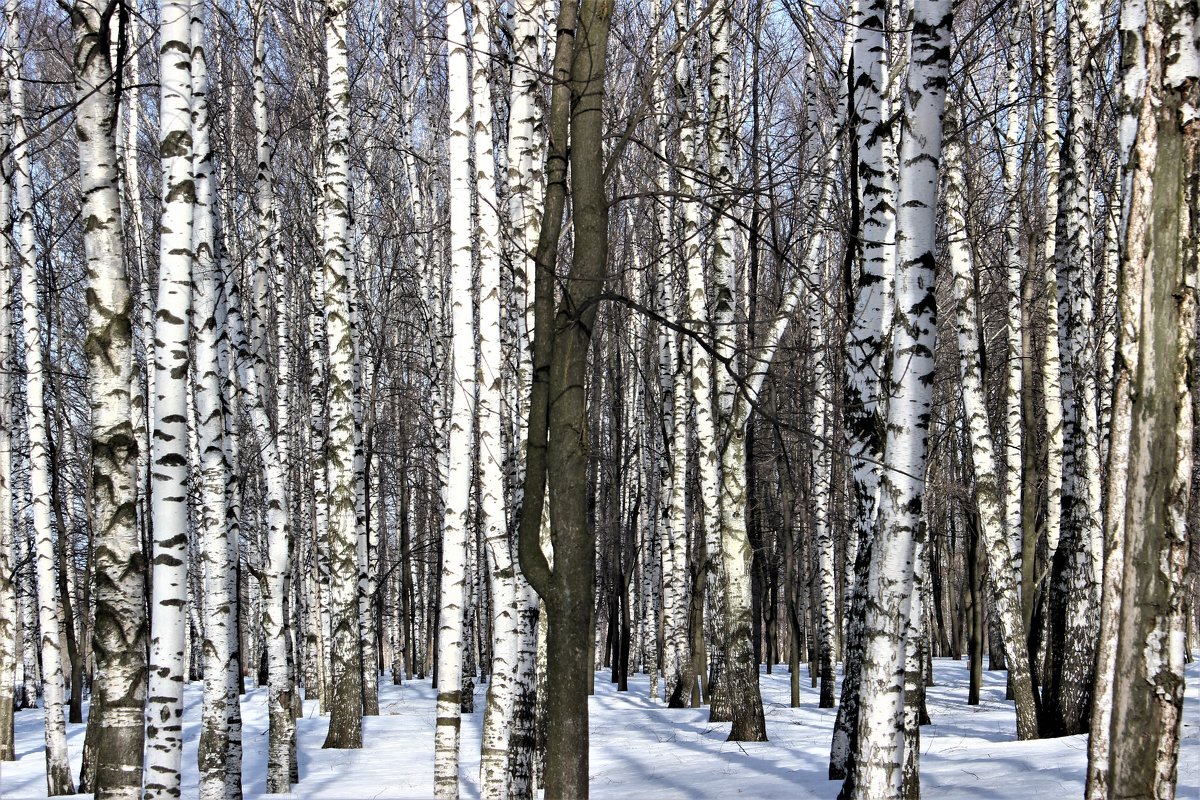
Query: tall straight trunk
[
  {"x": 9, "y": 644},
  {"x": 743, "y": 697},
  {"x": 169, "y": 442},
  {"x": 1124, "y": 370},
  {"x": 506, "y": 606},
  {"x": 997, "y": 538},
  {"x": 672, "y": 534},
  {"x": 1077, "y": 566},
  {"x": 1014, "y": 364},
  {"x": 142, "y": 382},
  {"x": 457, "y": 517},
  {"x": 345, "y": 702},
  {"x": 272, "y": 444},
  {"x": 820, "y": 425},
  {"x": 231, "y": 393},
  {"x": 864, "y": 395},
  {"x": 1051, "y": 365},
  {"x": 119, "y": 632},
  {"x": 213, "y": 469},
  {"x": 878, "y": 768},
  {"x": 318, "y": 356},
  {"x": 1159, "y": 274},
  {"x": 58, "y": 769},
  {"x": 701, "y": 367},
  {"x": 526, "y": 186}
]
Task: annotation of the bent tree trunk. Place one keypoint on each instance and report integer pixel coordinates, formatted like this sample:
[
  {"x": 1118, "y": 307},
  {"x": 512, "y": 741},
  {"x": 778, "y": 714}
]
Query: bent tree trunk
[{"x": 558, "y": 406}]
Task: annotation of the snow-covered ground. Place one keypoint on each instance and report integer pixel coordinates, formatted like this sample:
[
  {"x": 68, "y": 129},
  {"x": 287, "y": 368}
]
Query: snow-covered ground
[{"x": 644, "y": 750}]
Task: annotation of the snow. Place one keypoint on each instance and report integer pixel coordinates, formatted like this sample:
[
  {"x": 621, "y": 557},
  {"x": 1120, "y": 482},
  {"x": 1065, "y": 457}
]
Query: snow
[{"x": 641, "y": 748}]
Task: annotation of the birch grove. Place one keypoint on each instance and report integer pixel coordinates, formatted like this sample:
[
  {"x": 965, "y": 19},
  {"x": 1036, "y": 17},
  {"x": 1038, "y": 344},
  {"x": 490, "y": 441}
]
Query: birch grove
[{"x": 523, "y": 366}]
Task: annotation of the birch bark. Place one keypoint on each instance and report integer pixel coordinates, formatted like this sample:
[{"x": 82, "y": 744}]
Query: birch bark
[
  {"x": 119, "y": 627},
  {"x": 677, "y": 656},
  {"x": 1159, "y": 280},
  {"x": 58, "y": 769},
  {"x": 273, "y": 445},
  {"x": 744, "y": 699},
  {"x": 8, "y": 567},
  {"x": 1077, "y": 568},
  {"x": 505, "y": 591},
  {"x": 169, "y": 442},
  {"x": 863, "y": 392},
  {"x": 345, "y": 724},
  {"x": 213, "y": 471},
  {"x": 997, "y": 538},
  {"x": 1051, "y": 365},
  {"x": 878, "y": 768},
  {"x": 526, "y": 179},
  {"x": 457, "y": 496}
]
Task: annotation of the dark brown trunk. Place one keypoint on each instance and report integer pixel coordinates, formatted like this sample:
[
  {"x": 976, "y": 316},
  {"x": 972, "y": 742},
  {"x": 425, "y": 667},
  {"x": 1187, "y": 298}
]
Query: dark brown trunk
[{"x": 974, "y": 610}]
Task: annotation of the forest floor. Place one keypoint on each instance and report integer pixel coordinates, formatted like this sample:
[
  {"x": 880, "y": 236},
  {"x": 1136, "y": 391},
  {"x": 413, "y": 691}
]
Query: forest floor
[{"x": 641, "y": 749}]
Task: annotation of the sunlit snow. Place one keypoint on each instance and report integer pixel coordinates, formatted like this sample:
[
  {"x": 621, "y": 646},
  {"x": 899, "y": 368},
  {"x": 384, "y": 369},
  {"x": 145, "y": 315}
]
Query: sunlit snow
[{"x": 642, "y": 749}]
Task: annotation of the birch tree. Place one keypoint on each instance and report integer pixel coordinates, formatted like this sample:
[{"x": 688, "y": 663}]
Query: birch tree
[
  {"x": 877, "y": 768},
  {"x": 505, "y": 591},
  {"x": 119, "y": 563},
  {"x": 744, "y": 699},
  {"x": 998, "y": 539},
  {"x": 672, "y": 531},
  {"x": 8, "y": 566},
  {"x": 1137, "y": 753},
  {"x": 58, "y": 768},
  {"x": 217, "y": 779},
  {"x": 169, "y": 442},
  {"x": 864, "y": 392},
  {"x": 526, "y": 154},
  {"x": 345, "y": 724},
  {"x": 462, "y": 390},
  {"x": 273, "y": 446}
]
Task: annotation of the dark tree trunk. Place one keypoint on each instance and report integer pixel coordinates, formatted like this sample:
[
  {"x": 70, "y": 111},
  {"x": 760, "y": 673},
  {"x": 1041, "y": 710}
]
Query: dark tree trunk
[{"x": 974, "y": 610}]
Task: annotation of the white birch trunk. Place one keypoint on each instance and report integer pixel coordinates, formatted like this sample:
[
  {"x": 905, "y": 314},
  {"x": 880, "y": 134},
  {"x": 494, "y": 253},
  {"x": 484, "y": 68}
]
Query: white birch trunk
[
  {"x": 1051, "y": 367},
  {"x": 457, "y": 493},
  {"x": 273, "y": 445},
  {"x": 213, "y": 471},
  {"x": 9, "y": 645},
  {"x": 169, "y": 443},
  {"x": 1014, "y": 363},
  {"x": 696, "y": 297},
  {"x": 526, "y": 156},
  {"x": 878, "y": 768},
  {"x": 998, "y": 541},
  {"x": 119, "y": 629},
  {"x": 345, "y": 724},
  {"x": 673, "y": 424},
  {"x": 864, "y": 400},
  {"x": 503, "y": 569},
  {"x": 58, "y": 769},
  {"x": 1077, "y": 571},
  {"x": 744, "y": 699},
  {"x": 230, "y": 301}
]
